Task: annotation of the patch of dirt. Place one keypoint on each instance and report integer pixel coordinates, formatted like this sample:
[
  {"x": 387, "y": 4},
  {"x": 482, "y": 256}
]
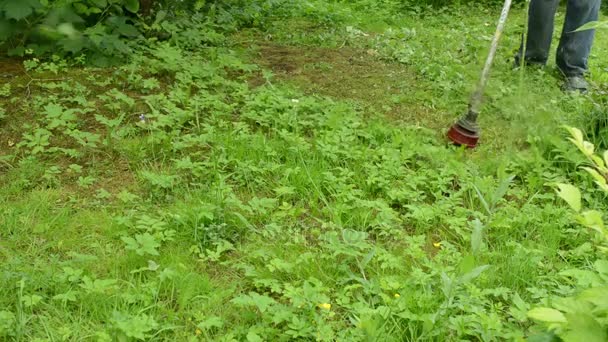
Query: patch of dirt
[
  {"x": 350, "y": 74},
  {"x": 10, "y": 68}
]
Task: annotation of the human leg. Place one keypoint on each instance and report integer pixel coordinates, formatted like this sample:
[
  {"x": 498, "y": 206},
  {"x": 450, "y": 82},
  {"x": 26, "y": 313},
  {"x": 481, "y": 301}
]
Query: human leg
[
  {"x": 574, "y": 47},
  {"x": 541, "y": 18}
]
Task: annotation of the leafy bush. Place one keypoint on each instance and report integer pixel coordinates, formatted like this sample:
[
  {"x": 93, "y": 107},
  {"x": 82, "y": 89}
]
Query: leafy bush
[
  {"x": 100, "y": 28},
  {"x": 585, "y": 314},
  {"x": 65, "y": 27}
]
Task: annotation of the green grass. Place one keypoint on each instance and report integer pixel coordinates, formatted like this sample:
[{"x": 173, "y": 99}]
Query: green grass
[{"x": 272, "y": 177}]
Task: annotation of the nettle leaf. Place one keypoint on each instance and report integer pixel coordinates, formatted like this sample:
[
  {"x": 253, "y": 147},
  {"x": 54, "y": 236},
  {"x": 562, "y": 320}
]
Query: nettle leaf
[
  {"x": 121, "y": 26},
  {"x": 148, "y": 244},
  {"x": 547, "y": 315},
  {"x": 142, "y": 244},
  {"x": 31, "y": 301},
  {"x": 571, "y": 195},
  {"x": 20, "y": 9},
  {"x": 132, "y": 5},
  {"x": 99, "y": 3},
  {"x": 69, "y": 296},
  {"x": 253, "y": 337},
  {"x": 255, "y": 299},
  {"x": 138, "y": 327},
  {"x": 211, "y": 322}
]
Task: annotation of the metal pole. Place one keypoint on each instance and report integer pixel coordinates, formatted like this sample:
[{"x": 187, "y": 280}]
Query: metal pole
[{"x": 470, "y": 119}]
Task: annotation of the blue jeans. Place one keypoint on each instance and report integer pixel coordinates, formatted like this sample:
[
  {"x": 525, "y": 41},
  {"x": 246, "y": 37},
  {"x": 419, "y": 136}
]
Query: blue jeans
[{"x": 574, "y": 47}]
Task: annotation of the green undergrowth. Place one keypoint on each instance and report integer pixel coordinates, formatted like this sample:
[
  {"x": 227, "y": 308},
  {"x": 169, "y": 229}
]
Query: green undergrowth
[{"x": 205, "y": 194}]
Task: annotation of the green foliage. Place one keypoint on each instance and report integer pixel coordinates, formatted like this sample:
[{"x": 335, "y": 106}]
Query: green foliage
[
  {"x": 190, "y": 194},
  {"x": 584, "y": 316},
  {"x": 107, "y": 31},
  {"x": 96, "y": 27}
]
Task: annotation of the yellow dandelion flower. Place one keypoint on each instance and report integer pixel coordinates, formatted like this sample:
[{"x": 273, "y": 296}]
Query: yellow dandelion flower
[
  {"x": 324, "y": 306},
  {"x": 397, "y": 295},
  {"x": 437, "y": 244}
]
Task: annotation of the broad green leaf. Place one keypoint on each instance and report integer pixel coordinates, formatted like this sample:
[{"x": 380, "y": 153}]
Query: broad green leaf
[
  {"x": 368, "y": 257},
  {"x": 132, "y": 5},
  {"x": 597, "y": 296},
  {"x": 547, "y": 315},
  {"x": 577, "y": 136},
  {"x": 519, "y": 303},
  {"x": 6, "y": 29},
  {"x": 99, "y": 3},
  {"x": 120, "y": 26},
  {"x": 584, "y": 278},
  {"x": 142, "y": 244},
  {"x": 601, "y": 266},
  {"x": 81, "y": 8},
  {"x": 67, "y": 29},
  {"x": 160, "y": 16},
  {"x": 592, "y": 25},
  {"x": 589, "y": 148},
  {"x": 593, "y": 219},
  {"x": 476, "y": 272},
  {"x": 262, "y": 302},
  {"x": 502, "y": 189},
  {"x": 30, "y": 301},
  {"x": 148, "y": 244},
  {"x": 72, "y": 45},
  {"x": 571, "y": 195},
  {"x": 476, "y": 236},
  {"x": 69, "y": 296},
  {"x": 467, "y": 264},
  {"x": 199, "y": 4},
  {"x": 211, "y": 322},
  {"x": 254, "y": 299},
  {"x": 599, "y": 162},
  {"x": 19, "y": 9},
  {"x": 544, "y": 337},
  {"x": 599, "y": 179},
  {"x": 571, "y": 305},
  {"x": 127, "y": 30},
  {"x": 446, "y": 285},
  {"x": 253, "y": 337},
  {"x": 584, "y": 328},
  {"x": 483, "y": 201}
]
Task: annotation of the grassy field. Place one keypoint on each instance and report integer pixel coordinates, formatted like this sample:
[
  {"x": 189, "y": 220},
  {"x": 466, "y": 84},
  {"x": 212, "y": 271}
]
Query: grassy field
[{"x": 291, "y": 181}]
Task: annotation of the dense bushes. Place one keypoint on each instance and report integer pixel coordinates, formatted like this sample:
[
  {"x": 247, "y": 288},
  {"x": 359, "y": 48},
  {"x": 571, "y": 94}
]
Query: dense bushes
[
  {"x": 37, "y": 27},
  {"x": 100, "y": 29}
]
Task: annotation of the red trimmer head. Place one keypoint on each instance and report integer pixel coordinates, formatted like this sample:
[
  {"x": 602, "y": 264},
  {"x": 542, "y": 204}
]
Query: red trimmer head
[
  {"x": 461, "y": 136},
  {"x": 465, "y": 131}
]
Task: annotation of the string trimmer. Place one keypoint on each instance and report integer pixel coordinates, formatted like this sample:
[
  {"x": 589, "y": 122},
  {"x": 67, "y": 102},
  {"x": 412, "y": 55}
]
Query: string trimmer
[{"x": 466, "y": 130}]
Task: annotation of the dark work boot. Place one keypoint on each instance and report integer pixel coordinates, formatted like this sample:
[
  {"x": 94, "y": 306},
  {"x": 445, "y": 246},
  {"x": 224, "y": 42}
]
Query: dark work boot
[{"x": 575, "y": 84}]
